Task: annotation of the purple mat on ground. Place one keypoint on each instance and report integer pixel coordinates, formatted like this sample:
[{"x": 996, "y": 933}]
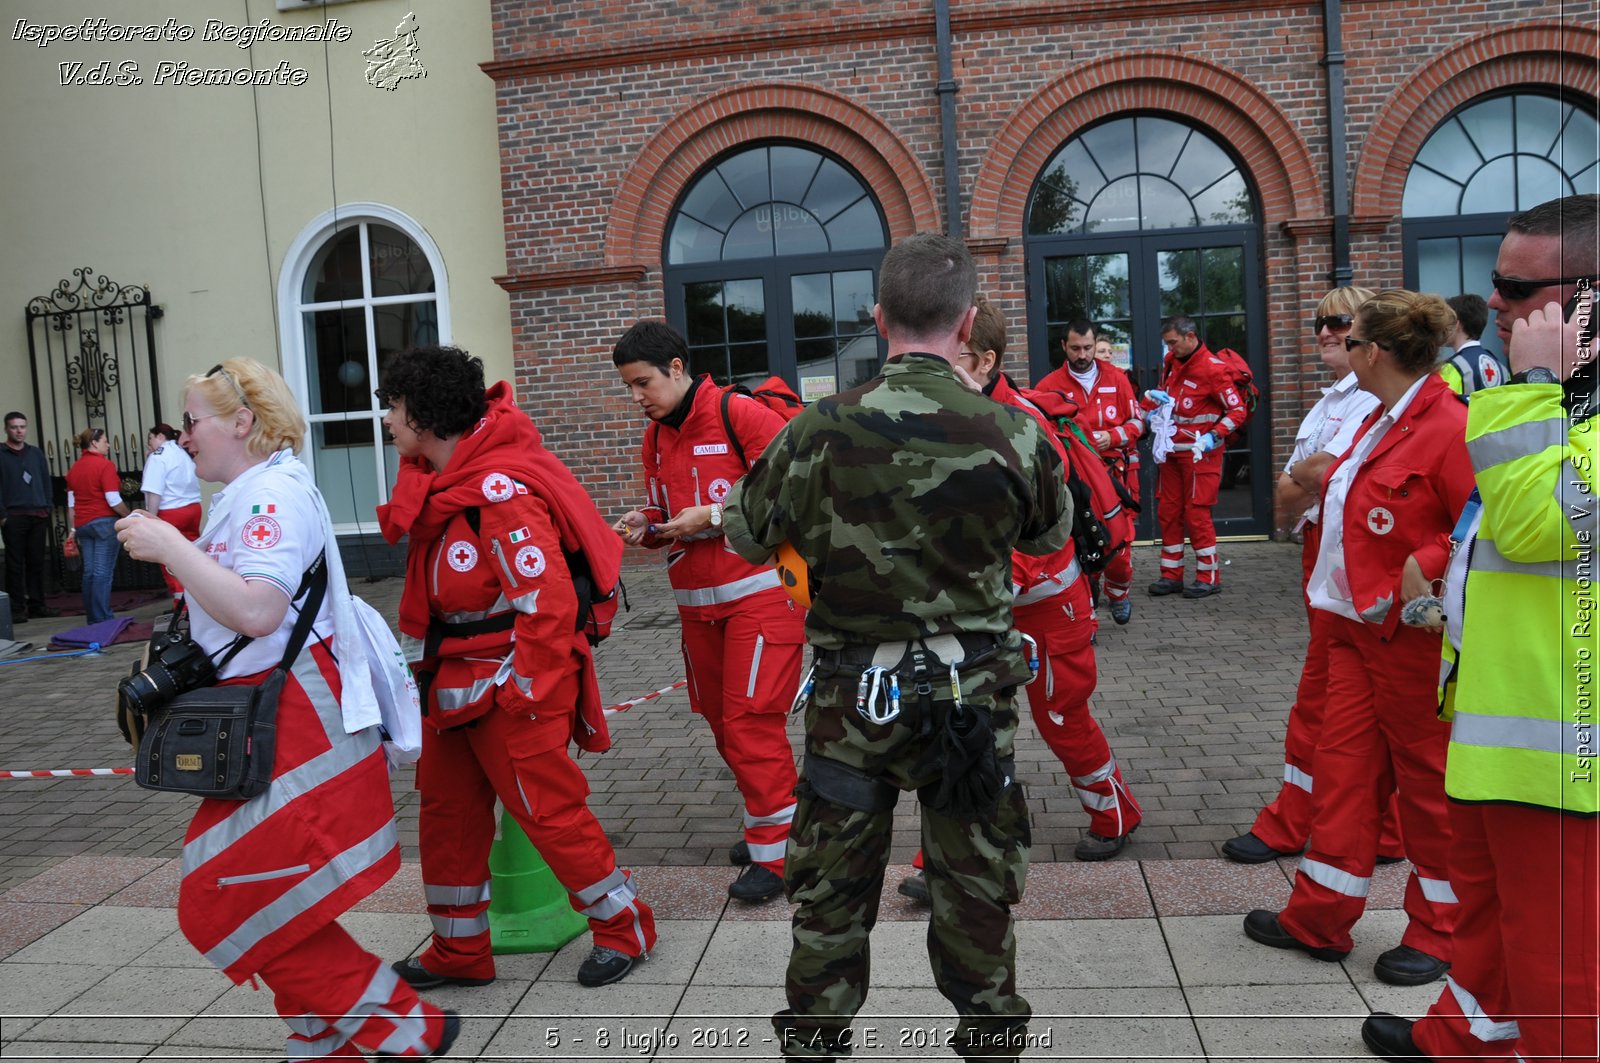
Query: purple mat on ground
[{"x": 105, "y": 633}]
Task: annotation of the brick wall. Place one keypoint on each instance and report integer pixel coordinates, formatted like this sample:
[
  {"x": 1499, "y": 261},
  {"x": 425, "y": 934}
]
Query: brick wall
[{"x": 606, "y": 111}]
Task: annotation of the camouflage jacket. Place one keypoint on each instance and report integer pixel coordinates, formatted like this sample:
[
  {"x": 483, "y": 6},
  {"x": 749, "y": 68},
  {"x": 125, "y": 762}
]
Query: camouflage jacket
[{"x": 906, "y": 496}]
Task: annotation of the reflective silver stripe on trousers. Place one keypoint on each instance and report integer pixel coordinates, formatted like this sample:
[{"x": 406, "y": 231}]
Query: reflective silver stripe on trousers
[
  {"x": 1334, "y": 879},
  {"x": 729, "y": 592},
  {"x": 410, "y": 1033},
  {"x": 1050, "y": 586},
  {"x": 783, "y": 815},
  {"x": 304, "y": 895},
  {"x": 1296, "y": 777},
  {"x": 452, "y": 698},
  {"x": 1100, "y": 774},
  {"x": 614, "y": 902},
  {"x": 1514, "y": 732},
  {"x": 316, "y": 1040},
  {"x": 755, "y": 666},
  {"x": 456, "y": 896},
  {"x": 347, "y": 751},
  {"x": 1098, "y": 802},
  {"x": 1486, "y": 558},
  {"x": 765, "y": 854},
  {"x": 1483, "y": 1027},
  {"x": 589, "y": 894},
  {"x": 1517, "y": 441},
  {"x": 447, "y": 926},
  {"x": 1436, "y": 890}
]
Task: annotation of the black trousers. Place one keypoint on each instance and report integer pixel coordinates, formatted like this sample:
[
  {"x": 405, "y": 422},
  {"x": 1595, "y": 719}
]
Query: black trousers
[{"x": 24, "y": 537}]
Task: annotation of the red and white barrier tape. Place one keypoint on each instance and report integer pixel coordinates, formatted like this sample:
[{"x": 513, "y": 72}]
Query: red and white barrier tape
[
  {"x": 61, "y": 772},
  {"x": 64, "y": 771}
]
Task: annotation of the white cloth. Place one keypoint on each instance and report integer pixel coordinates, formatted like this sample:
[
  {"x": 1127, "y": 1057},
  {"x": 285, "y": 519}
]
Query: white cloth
[
  {"x": 169, "y": 472},
  {"x": 269, "y": 525},
  {"x": 1087, "y": 380},
  {"x": 1329, "y": 586},
  {"x": 1161, "y": 430},
  {"x": 1331, "y": 425}
]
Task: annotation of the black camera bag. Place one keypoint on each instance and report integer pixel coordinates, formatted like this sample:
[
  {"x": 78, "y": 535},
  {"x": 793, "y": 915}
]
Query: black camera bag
[{"x": 221, "y": 741}]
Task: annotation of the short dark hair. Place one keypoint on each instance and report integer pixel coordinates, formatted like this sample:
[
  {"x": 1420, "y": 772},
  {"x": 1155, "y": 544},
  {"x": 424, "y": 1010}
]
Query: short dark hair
[
  {"x": 165, "y": 430},
  {"x": 1576, "y": 220},
  {"x": 1083, "y": 327},
  {"x": 442, "y": 388},
  {"x": 1182, "y": 324},
  {"x": 654, "y": 342},
  {"x": 1472, "y": 313},
  {"x": 927, "y": 283},
  {"x": 14, "y": 415}
]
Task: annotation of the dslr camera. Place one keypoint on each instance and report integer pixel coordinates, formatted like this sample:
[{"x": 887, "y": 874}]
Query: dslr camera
[{"x": 177, "y": 665}]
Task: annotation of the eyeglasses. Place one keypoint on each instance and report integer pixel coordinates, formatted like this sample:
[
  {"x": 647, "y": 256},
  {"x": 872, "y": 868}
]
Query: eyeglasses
[
  {"x": 1335, "y": 322},
  {"x": 1515, "y": 289},
  {"x": 237, "y": 390},
  {"x": 189, "y": 422},
  {"x": 1351, "y": 343}
]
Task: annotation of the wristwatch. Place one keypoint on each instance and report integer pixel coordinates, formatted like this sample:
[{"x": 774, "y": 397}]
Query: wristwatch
[
  {"x": 1537, "y": 375},
  {"x": 716, "y": 514}
]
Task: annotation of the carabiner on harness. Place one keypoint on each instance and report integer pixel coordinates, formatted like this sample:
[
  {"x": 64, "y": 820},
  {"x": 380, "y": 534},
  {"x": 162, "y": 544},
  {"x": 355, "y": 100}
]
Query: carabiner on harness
[
  {"x": 807, "y": 685},
  {"x": 872, "y": 689},
  {"x": 1033, "y": 656}
]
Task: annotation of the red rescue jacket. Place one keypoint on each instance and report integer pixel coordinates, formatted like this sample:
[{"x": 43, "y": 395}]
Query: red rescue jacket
[
  {"x": 1204, "y": 397},
  {"x": 1112, "y": 408}
]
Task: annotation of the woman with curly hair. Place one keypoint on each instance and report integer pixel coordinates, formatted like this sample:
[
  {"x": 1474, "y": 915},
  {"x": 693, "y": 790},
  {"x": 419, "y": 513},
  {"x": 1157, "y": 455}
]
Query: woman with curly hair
[{"x": 492, "y": 617}]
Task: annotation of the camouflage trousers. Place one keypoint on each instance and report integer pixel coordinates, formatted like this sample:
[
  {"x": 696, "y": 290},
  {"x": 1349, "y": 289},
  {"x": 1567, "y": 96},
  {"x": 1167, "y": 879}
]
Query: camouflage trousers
[{"x": 835, "y": 868}]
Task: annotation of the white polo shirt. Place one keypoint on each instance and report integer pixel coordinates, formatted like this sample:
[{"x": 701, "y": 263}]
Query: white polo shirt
[
  {"x": 1331, "y": 426},
  {"x": 169, "y": 472}
]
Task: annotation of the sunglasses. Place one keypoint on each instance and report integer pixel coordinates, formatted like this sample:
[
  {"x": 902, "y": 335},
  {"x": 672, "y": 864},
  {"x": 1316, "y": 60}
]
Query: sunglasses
[
  {"x": 1514, "y": 288},
  {"x": 1335, "y": 322},
  {"x": 1351, "y": 343},
  {"x": 189, "y": 422}
]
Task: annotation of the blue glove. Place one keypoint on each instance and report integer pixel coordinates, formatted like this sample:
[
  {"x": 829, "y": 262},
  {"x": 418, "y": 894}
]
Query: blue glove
[
  {"x": 1159, "y": 397},
  {"x": 1206, "y": 444}
]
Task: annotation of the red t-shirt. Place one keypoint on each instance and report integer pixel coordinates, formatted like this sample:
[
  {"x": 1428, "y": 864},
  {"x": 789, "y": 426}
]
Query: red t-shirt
[{"x": 90, "y": 477}]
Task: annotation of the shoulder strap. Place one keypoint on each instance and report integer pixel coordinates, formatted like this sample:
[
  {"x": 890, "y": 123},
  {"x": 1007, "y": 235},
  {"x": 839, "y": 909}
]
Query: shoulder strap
[
  {"x": 313, "y": 586},
  {"x": 727, "y": 425}
]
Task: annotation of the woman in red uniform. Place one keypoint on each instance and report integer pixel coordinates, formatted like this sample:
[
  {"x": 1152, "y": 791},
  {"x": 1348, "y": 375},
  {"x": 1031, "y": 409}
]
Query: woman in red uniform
[
  {"x": 265, "y": 880},
  {"x": 1389, "y": 506},
  {"x": 743, "y": 639},
  {"x": 493, "y": 615},
  {"x": 94, "y": 494}
]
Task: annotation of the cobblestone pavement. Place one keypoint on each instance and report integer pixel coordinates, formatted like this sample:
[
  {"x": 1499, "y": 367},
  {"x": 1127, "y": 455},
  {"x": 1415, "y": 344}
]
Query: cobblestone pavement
[{"x": 1192, "y": 695}]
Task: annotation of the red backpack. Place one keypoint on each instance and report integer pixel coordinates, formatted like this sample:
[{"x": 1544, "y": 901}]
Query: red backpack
[
  {"x": 1239, "y": 373},
  {"x": 1100, "y": 503},
  {"x": 774, "y": 393}
]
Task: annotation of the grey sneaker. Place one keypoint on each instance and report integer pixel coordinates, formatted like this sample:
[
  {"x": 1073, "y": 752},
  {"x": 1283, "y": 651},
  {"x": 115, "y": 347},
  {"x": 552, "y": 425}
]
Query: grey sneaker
[{"x": 604, "y": 966}]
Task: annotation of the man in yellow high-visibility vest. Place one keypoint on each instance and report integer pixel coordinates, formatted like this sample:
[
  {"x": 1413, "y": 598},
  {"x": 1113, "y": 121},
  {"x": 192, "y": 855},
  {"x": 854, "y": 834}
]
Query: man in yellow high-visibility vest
[{"x": 1520, "y": 606}]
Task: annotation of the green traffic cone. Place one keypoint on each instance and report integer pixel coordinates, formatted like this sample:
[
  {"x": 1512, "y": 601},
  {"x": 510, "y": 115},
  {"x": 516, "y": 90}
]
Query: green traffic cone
[{"x": 528, "y": 907}]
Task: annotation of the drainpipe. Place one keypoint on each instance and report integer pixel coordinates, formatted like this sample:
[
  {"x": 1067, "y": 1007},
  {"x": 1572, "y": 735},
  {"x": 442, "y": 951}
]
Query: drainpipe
[
  {"x": 947, "y": 89},
  {"x": 1333, "y": 64}
]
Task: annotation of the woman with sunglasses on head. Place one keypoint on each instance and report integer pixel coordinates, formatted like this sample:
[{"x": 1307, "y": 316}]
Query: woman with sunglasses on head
[
  {"x": 1281, "y": 828},
  {"x": 1389, "y": 506},
  {"x": 265, "y": 879},
  {"x": 94, "y": 494}
]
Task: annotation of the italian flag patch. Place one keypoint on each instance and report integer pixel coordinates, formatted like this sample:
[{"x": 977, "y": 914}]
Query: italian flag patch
[
  {"x": 258, "y": 510},
  {"x": 519, "y": 535}
]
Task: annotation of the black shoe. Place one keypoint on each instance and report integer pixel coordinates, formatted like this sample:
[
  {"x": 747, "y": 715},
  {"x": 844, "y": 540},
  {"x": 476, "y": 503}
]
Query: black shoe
[
  {"x": 756, "y": 885},
  {"x": 1389, "y": 1037},
  {"x": 1165, "y": 586},
  {"x": 452, "y": 1030},
  {"x": 1093, "y": 847},
  {"x": 1201, "y": 590},
  {"x": 739, "y": 853},
  {"x": 43, "y": 612},
  {"x": 915, "y": 888},
  {"x": 419, "y": 977},
  {"x": 1385, "y": 861},
  {"x": 1248, "y": 849},
  {"x": 1404, "y": 965},
  {"x": 1262, "y": 926},
  {"x": 19, "y": 618},
  {"x": 1122, "y": 611},
  {"x": 604, "y": 966}
]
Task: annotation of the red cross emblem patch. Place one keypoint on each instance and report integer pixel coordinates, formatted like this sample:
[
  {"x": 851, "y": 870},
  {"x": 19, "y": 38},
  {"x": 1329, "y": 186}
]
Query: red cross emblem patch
[
  {"x": 261, "y": 532},
  {"x": 462, "y": 555},
  {"x": 530, "y": 561},
  {"x": 1380, "y": 520},
  {"x": 719, "y": 489},
  {"x": 497, "y": 487},
  {"x": 1490, "y": 370}
]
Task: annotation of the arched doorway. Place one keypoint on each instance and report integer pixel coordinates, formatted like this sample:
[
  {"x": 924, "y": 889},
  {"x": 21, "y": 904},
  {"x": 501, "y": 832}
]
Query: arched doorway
[
  {"x": 771, "y": 263},
  {"x": 1492, "y": 157},
  {"x": 1137, "y": 219}
]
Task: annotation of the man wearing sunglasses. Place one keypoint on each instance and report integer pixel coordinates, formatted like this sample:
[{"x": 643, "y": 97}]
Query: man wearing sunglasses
[{"x": 1521, "y": 650}]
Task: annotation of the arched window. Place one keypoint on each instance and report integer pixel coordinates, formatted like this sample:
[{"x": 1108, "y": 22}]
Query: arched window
[
  {"x": 360, "y": 289},
  {"x": 1495, "y": 156},
  {"x": 771, "y": 258}
]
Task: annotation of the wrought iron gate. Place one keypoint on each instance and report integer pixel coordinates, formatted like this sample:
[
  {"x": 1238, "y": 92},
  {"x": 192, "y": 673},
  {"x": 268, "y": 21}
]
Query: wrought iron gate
[{"x": 92, "y": 355}]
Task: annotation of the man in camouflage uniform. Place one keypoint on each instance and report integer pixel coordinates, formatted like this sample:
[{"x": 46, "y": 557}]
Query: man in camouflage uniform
[{"x": 906, "y": 497}]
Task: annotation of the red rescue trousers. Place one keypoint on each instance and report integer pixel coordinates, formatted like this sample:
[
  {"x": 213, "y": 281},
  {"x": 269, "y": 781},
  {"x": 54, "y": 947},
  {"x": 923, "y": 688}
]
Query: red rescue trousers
[
  {"x": 187, "y": 520},
  {"x": 1285, "y": 824},
  {"x": 743, "y": 669},
  {"x": 526, "y": 765},
  {"x": 1380, "y": 734},
  {"x": 1063, "y": 625},
  {"x": 1525, "y": 983},
  {"x": 1119, "y": 573},
  {"x": 339, "y": 998},
  {"x": 1185, "y": 492}
]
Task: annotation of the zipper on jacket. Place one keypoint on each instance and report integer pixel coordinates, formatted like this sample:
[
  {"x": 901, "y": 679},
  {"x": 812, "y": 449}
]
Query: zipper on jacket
[
  {"x": 494, "y": 544},
  {"x": 695, "y": 470},
  {"x": 443, "y": 546}
]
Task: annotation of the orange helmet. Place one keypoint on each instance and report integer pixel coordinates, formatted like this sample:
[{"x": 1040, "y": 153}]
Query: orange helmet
[{"x": 795, "y": 573}]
